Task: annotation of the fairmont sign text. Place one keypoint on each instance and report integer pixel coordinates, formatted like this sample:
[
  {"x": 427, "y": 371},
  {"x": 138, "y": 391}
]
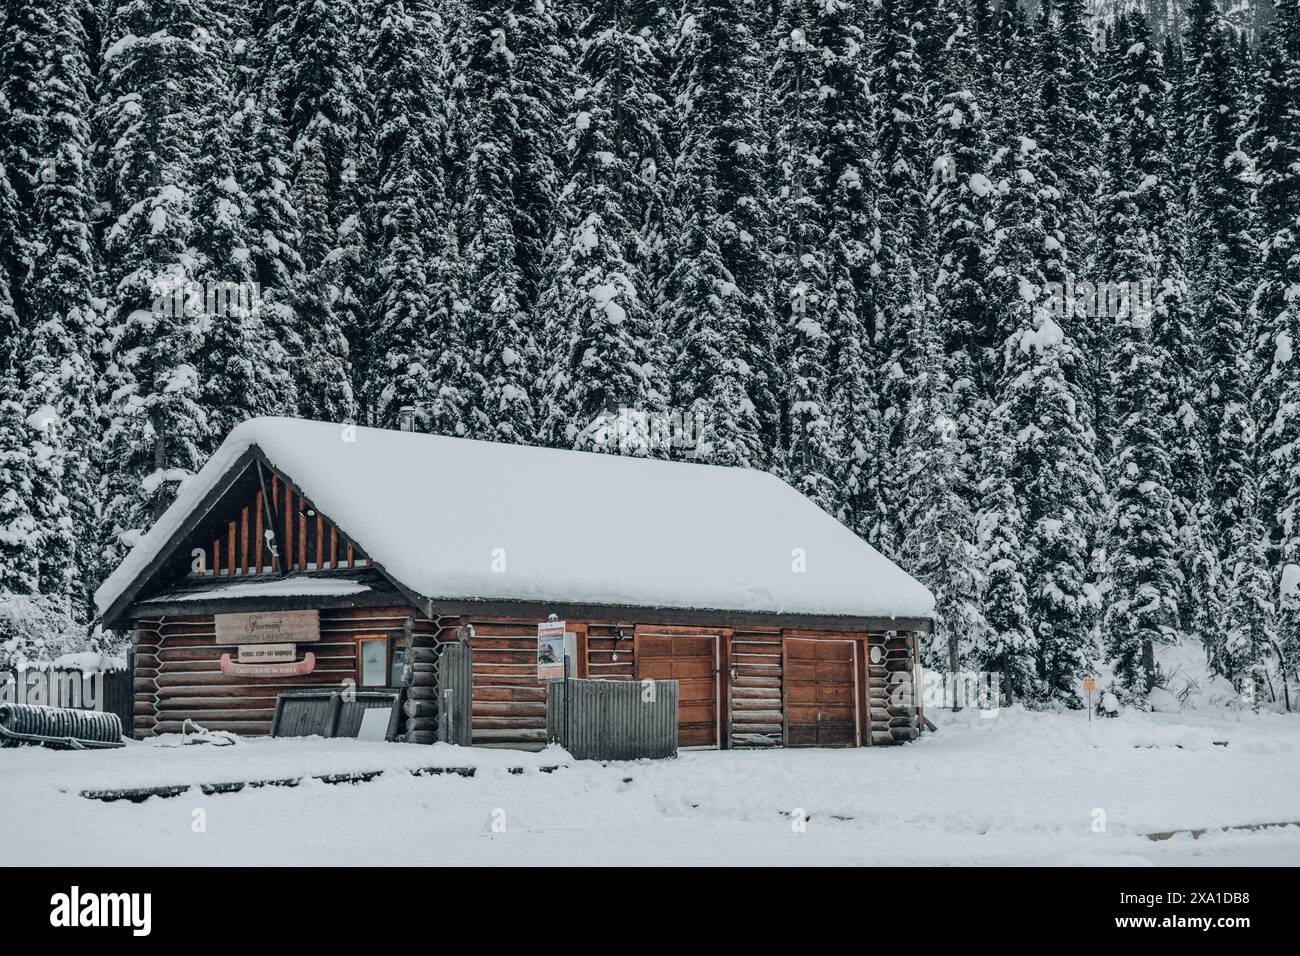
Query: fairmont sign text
[{"x": 271, "y": 627}]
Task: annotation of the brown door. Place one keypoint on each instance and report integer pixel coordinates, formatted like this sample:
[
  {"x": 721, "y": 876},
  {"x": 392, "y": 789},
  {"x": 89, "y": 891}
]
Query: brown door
[
  {"x": 692, "y": 661},
  {"x": 821, "y": 693}
]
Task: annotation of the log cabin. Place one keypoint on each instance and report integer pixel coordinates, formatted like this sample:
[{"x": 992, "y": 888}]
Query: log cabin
[{"x": 318, "y": 555}]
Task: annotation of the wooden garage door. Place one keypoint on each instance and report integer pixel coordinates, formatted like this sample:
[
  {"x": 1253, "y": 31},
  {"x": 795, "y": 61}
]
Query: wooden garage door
[
  {"x": 692, "y": 661},
  {"x": 821, "y": 700}
]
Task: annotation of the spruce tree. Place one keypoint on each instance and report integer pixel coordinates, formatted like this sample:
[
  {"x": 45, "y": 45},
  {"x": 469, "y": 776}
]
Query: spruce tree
[
  {"x": 155, "y": 89},
  {"x": 1009, "y": 647},
  {"x": 1056, "y": 471},
  {"x": 541, "y": 74},
  {"x": 898, "y": 78},
  {"x": 718, "y": 96},
  {"x": 273, "y": 232},
  {"x": 410, "y": 208},
  {"x": 939, "y": 546},
  {"x": 243, "y": 366},
  {"x": 1221, "y": 256},
  {"x": 57, "y": 369},
  {"x": 1145, "y": 582},
  {"x": 9, "y": 325},
  {"x": 323, "y": 368},
  {"x": 603, "y": 349},
  {"x": 961, "y": 200},
  {"x": 20, "y": 536},
  {"x": 496, "y": 285},
  {"x": 1274, "y": 144},
  {"x": 326, "y": 107},
  {"x": 812, "y": 281},
  {"x": 25, "y": 49}
]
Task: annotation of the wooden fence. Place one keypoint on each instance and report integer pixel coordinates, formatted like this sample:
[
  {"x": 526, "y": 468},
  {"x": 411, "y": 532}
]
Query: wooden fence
[
  {"x": 108, "y": 691},
  {"x": 455, "y": 694},
  {"x": 613, "y": 720}
]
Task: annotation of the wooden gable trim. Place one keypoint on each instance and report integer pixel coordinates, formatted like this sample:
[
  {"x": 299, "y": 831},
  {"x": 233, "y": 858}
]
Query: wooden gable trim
[
  {"x": 115, "y": 616},
  {"x": 419, "y": 601}
]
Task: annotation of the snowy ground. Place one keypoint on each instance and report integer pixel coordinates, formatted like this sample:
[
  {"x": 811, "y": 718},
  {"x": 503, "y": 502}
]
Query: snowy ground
[{"x": 1020, "y": 788}]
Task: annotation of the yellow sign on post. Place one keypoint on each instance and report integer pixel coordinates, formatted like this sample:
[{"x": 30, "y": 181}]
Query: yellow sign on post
[{"x": 1089, "y": 685}]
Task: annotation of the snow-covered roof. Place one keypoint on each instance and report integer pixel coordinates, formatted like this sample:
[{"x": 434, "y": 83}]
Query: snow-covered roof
[
  {"x": 455, "y": 519},
  {"x": 290, "y": 586}
]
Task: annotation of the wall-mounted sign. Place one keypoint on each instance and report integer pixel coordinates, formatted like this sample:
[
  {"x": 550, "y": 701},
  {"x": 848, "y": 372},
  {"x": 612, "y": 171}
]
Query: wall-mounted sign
[
  {"x": 267, "y": 653},
  {"x": 293, "y": 669},
  {"x": 269, "y": 627},
  {"x": 550, "y": 651}
]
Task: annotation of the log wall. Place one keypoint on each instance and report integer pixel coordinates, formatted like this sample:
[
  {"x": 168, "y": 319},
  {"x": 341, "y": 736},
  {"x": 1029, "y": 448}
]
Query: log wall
[
  {"x": 429, "y": 714},
  {"x": 178, "y": 671},
  {"x": 510, "y": 703},
  {"x": 178, "y": 675},
  {"x": 757, "y": 710}
]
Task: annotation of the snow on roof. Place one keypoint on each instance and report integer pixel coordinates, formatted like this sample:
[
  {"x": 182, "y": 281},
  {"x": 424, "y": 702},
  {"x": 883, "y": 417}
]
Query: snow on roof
[
  {"x": 294, "y": 586},
  {"x": 457, "y": 519}
]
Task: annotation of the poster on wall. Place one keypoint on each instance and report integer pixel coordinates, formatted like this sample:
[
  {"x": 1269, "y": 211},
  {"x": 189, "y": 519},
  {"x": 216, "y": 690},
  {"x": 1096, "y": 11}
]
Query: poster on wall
[{"x": 550, "y": 650}]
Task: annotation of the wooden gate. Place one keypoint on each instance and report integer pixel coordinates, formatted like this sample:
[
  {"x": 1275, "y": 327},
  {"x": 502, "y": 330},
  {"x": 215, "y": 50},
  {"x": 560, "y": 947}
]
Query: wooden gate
[
  {"x": 693, "y": 660},
  {"x": 821, "y": 693}
]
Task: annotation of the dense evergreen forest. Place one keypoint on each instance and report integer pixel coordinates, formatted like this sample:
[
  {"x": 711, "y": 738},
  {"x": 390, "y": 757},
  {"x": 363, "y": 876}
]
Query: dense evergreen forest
[{"x": 824, "y": 238}]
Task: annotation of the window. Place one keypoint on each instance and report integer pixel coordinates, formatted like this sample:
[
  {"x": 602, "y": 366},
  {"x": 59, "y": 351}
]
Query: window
[
  {"x": 372, "y": 661},
  {"x": 396, "y": 671},
  {"x": 381, "y": 660}
]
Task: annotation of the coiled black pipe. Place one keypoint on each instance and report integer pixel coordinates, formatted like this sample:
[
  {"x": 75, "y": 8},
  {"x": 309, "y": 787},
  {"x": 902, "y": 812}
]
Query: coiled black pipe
[{"x": 58, "y": 727}]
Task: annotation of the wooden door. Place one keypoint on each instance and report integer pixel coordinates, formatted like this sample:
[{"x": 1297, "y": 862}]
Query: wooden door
[
  {"x": 692, "y": 660},
  {"x": 821, "y": 693}
]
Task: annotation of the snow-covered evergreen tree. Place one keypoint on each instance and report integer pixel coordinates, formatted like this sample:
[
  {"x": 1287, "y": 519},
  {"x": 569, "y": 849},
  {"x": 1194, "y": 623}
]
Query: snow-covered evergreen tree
[
  {"x": 410, "y": 207},
  {"x": 9, "y": 323},
  {"x": 722, "y": 192},
  {"x": 273, "y": 233},
  {"x": 318, "y": 63},
  {"x": 1056, "y": 471},
  {"x": 162, "y": 63},
  {"x": 961, "y": 199},
  {"x": 604, "y": 371},
  {"x": 939, "y": 546},
  {"x": 1145, "y": 583},
  {"x": 1274, "y": 145},
  {"x": 1221, "y": 260},
  {"x": 496, "y": 285},
  {"x": 55, "y": 346},
  {"x": 19, "y": 533},
  {"x": 541, "y": 75},
  {"x": 243, "y": 365},
  {"x": 323, "y": 367},
  {"x": 898, "y": 79},
  {"x": 1009, "y": 647}
]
